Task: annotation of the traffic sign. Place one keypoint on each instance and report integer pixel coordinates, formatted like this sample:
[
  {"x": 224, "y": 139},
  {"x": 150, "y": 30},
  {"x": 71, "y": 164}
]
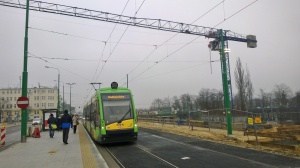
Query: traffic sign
[{"x": 22, "y": 102}]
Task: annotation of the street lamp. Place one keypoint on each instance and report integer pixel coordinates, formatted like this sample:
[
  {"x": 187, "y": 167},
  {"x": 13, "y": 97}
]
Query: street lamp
[
  {"x": 70, "y": 94},
  {"x": 58, "y": 106},
  {"x": 63, "y": 108}
]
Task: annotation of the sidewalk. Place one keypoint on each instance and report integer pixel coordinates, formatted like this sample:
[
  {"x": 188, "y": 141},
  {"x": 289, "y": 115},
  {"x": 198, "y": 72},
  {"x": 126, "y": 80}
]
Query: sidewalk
[{"x": 49, "y": 152}]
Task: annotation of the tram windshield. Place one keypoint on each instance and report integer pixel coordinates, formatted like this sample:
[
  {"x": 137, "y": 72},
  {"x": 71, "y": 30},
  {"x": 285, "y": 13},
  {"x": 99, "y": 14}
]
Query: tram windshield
[{"x": 117, "y": 109}]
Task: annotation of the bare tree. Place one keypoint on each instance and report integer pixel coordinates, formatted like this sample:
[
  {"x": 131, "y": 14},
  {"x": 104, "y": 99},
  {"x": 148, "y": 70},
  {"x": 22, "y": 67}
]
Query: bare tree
[
  {"x": 166, "y": 103},
  {"x": 241, "y": 84},
  {"x": 264, "y": 97},
  {"x": 157, "y": 104},
  {"x": 3, "y": 102},
  {"x": 282, "y": 93},
  {"x": 176, "y": 103},
  {"x": 186, "y": 101},
  {"x": 296, "y": 100},
  {"x": 209, "y": 99},
  {"x": 249, "y": 88}
]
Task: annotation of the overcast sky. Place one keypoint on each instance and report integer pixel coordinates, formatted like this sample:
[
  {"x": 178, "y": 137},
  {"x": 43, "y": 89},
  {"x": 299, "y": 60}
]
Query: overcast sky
[{"x": 276, "y": 59}]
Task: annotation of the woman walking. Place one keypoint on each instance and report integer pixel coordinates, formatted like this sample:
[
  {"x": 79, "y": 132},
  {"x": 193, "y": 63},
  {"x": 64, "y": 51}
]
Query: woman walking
[{"x": 75, "y": 123}]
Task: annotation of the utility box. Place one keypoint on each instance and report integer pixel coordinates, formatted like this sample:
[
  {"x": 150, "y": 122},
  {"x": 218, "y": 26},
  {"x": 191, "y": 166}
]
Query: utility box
[{"x": 251, "y": 41}]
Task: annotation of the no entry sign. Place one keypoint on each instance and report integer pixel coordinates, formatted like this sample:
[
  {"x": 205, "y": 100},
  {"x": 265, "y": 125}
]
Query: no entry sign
[{"x": 22, "y": 102}]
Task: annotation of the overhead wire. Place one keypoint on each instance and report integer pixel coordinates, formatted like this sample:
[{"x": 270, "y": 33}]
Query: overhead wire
[
  {"x": 225, "y": 19},
  {"x": 194, "y": 38},
  {"x": 156, "y": 47},
  {"x": 82, "y": 37},
  {"x": 42, "y": 58},
  {"x": 118, "y": 40}
]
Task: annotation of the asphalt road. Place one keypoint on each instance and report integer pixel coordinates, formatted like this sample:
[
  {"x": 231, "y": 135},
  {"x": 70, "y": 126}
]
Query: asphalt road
[
  {"x": 158, "y": 149},
  {"x": 13, "y": 135}
]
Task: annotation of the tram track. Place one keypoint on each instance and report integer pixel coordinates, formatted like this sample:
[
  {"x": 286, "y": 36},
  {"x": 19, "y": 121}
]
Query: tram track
[
  {"x": 131, "y": 155},
  {"x": 156, "y": 149}
]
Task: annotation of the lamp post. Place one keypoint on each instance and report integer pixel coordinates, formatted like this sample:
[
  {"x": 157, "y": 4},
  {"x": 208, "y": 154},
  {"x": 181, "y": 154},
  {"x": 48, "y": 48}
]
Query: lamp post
[
  {"x": 58, "y": 106},
  {"x": 63, "y": 103},
  {"x": 70, "y": 95}
]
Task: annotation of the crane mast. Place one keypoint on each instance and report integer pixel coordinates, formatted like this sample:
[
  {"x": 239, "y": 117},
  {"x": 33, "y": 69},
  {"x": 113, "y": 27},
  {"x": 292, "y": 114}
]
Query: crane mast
[{"x": 220, "y": 42}]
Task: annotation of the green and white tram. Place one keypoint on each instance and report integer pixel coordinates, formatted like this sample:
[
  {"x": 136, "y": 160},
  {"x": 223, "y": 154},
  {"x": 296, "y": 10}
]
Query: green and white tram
[{"x": 110, "y": 115}]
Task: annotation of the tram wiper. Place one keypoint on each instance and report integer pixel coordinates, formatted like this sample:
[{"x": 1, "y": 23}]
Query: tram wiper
[{"x": 124, "y": 116}]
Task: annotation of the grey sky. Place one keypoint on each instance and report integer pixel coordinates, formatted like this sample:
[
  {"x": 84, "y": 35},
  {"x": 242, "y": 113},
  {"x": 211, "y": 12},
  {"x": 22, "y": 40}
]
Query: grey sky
[{"x": 275, "y": 60}]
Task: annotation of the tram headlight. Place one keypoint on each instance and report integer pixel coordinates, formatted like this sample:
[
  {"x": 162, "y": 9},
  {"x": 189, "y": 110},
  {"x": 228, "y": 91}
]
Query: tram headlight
[
  {"x": 114, "y": 85},
  {"x": 102, "y": 127}
]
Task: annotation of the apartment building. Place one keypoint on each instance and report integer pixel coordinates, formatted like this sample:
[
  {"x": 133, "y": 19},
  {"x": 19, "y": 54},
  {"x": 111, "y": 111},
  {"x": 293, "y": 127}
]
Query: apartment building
[{"x": 39, "y": 98}]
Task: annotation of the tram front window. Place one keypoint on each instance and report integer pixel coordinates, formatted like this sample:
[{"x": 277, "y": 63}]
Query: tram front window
[{"x": 116, "y": 111}]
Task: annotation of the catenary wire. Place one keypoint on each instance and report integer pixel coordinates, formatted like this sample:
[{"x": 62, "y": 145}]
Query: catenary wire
[{"x": 193, "y": 39}]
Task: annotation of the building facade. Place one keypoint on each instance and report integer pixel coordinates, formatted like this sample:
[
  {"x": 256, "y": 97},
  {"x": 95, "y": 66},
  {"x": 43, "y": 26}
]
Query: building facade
[{"x": 39, "y": 99}]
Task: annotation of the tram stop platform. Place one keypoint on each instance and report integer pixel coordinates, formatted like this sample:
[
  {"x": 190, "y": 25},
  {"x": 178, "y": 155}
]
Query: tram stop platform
[{"x": 46, "y": 152}]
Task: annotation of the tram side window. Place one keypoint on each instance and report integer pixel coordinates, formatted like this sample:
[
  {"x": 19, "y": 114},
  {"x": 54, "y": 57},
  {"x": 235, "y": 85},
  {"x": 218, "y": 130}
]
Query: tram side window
[{"x": 96, "y": 113}]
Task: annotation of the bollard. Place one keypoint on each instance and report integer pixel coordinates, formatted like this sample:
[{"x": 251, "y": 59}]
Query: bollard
[
  {"x": 2, "y": 136},
  {"x": 29, "y": 131}
]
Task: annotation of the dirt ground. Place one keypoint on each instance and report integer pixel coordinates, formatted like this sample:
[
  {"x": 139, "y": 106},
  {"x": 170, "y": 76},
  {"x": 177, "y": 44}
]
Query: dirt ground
[{"x": 220, "y": 136}]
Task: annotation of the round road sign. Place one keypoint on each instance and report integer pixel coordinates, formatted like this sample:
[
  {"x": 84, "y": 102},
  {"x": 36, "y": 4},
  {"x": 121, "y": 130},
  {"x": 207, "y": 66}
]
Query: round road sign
[{"x": 22, "y": 102}]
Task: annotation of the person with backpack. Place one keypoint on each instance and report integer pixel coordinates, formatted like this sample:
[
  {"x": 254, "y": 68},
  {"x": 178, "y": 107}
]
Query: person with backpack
[
  {"x": 66, "y": 123},
  {"x": 52, "y": 125}
]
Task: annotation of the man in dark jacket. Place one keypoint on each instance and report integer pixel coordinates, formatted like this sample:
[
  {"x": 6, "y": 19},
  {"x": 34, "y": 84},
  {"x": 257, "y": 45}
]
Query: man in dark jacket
[
  {"x": 66, "y": 123},
  {"x": 51, "y": 120}
]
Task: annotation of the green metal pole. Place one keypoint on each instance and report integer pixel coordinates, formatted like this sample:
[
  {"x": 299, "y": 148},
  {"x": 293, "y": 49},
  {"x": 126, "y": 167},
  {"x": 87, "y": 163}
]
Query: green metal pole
[
  {"x": 25, "y": 78},
  {"x": 58, "y": 101},
  {"x": 70, "y": 99},
  {"x": 63, "y": 97},
  {"x": 225, "y": 85}
]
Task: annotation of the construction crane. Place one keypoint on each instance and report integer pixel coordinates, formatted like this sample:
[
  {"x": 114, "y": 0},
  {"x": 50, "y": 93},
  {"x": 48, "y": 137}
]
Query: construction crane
[{"x": 220, "y": 42}]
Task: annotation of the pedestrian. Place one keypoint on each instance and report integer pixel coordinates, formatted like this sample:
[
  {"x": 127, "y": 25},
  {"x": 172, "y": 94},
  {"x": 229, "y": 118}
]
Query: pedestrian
[
  {"x": 66, "y": 123},
  {"x": 75, "y": 123},
  {"x": 58, "y": 123},
  {"x": 52, "y": 125}
]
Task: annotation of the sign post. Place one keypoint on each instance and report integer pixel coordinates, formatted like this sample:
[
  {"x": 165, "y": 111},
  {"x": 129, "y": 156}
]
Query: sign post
[{"x": 25, "y": 78}]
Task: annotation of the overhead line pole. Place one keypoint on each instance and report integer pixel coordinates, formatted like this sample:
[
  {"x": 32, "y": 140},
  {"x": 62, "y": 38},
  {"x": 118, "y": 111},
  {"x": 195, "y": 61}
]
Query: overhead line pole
[
  {"x": 25, "y": 78},
  {"x": 70, "y": 95}
]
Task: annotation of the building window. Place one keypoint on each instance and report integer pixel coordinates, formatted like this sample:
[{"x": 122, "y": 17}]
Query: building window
[
  {"x": 7, "y": 98},
  {"x": 18, "y": 91},
  {"x": 15, "y": 98},
  {"x": 50, "y": 91},
  {"x": 7, "y": 91},
  {"x": 15, "y": 106},
  {"x": 37, "y": 105},
  {"x": 50, "y": 97}
]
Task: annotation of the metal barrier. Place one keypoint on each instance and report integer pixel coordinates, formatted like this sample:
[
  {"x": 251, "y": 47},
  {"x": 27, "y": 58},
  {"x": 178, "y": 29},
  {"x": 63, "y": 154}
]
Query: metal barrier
[{"x": 2, "y": 136}]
